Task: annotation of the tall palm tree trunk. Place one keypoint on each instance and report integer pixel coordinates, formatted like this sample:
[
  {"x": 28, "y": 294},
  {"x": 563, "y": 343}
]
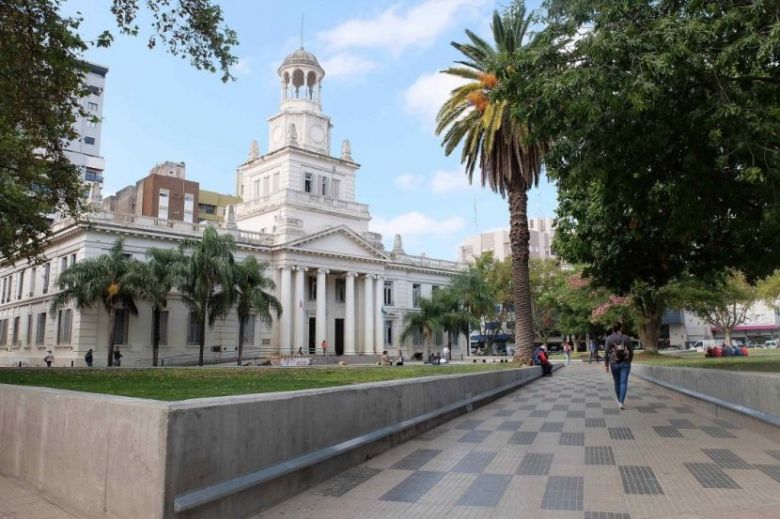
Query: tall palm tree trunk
[
  {"x": 111, "y": 335},
  {"x": 155, "y": 335},
  {"x": 240, "y": 338},
  {"x": 202, "y": 337},
  {"x": 521, "y": 284}
]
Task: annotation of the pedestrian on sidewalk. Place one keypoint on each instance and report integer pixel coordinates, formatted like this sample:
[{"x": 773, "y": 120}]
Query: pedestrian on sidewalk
[
  {"x": 567, "y": 352},
  {"x": 618, "y": 355},
  {"x": 88, "y": 358},
  {"x": 48, "y": 359},
  {"x": 324, "y": 346},
  {"x": 593, "y": 352},
  {"x": 117, "y": 357}
]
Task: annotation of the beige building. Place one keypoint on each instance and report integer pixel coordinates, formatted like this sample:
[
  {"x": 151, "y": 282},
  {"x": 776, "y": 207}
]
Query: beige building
[
  {"x": 497, "y": 242},
  {"x": 212, "y": 205}
]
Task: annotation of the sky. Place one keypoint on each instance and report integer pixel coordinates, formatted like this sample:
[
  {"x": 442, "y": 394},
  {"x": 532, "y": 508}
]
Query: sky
[{"x": 382, "y": 89}]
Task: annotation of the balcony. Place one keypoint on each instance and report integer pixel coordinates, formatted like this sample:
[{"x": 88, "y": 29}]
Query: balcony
[{"x": 268, "y": 202}]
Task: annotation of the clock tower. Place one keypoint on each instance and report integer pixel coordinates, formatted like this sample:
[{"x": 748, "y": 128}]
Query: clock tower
[{"x": 300, "y": 121}]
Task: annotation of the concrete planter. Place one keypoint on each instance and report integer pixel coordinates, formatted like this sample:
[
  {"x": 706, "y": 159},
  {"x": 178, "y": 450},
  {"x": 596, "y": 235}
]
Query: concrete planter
[{"x": 106, "y": 456}]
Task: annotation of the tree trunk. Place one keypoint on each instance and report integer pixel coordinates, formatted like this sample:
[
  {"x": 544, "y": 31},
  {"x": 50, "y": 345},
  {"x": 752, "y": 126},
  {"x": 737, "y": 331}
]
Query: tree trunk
[
  {"x": 240, "y": 338},
  {"x": 202, "y": 337},
  {"x": 111, "y": 335},
  {"x": 727, "y": 335},
  {"x": 649, "y": 332},
  {"x": 521, "y": 283},
  {"x": 155, "y": 335}
]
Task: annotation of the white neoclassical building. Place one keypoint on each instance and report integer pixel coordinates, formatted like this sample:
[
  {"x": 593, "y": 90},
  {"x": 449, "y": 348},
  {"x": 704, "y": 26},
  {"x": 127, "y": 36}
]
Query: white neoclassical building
[{"x": 335, "y": 279}]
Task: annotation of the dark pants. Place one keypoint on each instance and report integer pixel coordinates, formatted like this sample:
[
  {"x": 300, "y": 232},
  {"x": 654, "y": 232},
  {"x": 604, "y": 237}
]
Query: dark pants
[
  {"x": 547, "y": 369},
  {"x": 620, "y": 373},
  {"x": 48, "y": 363}
]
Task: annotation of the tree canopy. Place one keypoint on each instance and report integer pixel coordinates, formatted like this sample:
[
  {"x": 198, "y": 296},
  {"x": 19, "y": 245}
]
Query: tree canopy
[
  {"x": 665, "y": 118},
  {"x": 42, "y": 73}
]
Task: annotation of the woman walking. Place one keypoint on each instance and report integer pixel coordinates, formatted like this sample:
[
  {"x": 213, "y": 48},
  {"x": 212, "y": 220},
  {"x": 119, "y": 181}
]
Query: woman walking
[
  {"x": 567, "y": 352},
  {"x": 618, "y": 357}
]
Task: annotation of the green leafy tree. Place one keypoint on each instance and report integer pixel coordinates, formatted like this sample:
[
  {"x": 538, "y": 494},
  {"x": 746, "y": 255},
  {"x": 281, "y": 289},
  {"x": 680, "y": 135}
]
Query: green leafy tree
[
  {"x": 496, "y": 142},
  {"x": 724, "y": 304},
  {"x": 769, "y": 288},
  {"x": 154, "y": 279},
  {"x": 477, "y": 296},
  {"x": 42, "y": 80},
  {"x": 253, "y": 296},
  {"x": 106, "y": 279},
  {"x": 664, "y": 118},
  {"x": 207, "y": 279},
  {"x": 546, "y": 278},
  {"x": 425, "y": 320}
]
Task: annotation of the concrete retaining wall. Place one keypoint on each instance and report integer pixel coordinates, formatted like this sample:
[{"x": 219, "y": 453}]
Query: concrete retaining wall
[
  {"x": 749, "y": 398},
  {"x": 105, "y": 456},
  {"x": 97, "y": 455}
]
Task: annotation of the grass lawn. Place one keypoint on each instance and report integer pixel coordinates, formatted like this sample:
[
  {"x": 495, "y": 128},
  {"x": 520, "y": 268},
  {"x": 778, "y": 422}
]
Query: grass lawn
[
  {"x": 184, "y": 383},
  {"x": 758, "y": 360}
]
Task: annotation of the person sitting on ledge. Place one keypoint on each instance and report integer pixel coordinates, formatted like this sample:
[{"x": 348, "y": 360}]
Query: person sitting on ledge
[{"x": 385, "y": 359}]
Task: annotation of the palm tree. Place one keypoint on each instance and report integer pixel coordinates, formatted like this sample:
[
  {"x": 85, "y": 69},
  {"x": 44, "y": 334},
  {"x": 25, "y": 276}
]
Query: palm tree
[
  {"x": 455, "y": 319},
  {"x": 252, "y": 293},
  {"x": 155, "y": 279},
  {"x": 105, "y": 279},
  {"x": 477, "y": 300},
  {"x": 207, "y": 279},
  {"x": 498, "y": 143},
  {"x": 425, "y": 320}
]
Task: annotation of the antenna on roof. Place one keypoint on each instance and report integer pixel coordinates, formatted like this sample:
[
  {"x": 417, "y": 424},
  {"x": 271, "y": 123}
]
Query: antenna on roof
[{"x": 301, "y": 30}]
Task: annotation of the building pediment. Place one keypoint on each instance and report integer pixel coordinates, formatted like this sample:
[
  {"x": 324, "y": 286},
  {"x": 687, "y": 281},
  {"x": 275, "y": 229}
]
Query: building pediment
[{"x": 340, "y": 241}]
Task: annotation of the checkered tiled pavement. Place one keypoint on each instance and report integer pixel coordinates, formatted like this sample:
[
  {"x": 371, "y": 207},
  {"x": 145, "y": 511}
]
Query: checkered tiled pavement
[{"x": 560, "y": 448}]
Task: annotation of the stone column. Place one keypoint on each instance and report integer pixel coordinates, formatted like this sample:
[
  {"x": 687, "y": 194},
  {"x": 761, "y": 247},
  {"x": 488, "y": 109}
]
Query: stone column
[
  {"x": 349, "y": 315},
  {"x": 379, "y": 322},
  {"x": 368, "y": 314},
  {"x": 298, "y": 309},
  {"x": 322, "y": 323},
  {"x": 285, "y": 346}
]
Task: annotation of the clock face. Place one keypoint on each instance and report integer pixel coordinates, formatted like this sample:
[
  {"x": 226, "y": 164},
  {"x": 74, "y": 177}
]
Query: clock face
[
  {"x": 316, "y": 134},
  {"x": 276, "y": 136}
]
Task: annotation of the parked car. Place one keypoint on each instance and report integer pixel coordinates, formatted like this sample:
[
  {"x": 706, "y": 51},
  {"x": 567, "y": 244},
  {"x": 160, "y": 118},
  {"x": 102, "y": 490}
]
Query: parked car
[{"x": 770, "y": 344}]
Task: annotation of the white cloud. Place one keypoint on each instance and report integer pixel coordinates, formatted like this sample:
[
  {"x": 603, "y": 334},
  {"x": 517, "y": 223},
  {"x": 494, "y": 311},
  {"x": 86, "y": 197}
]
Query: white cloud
[
  {"x": 347, "y": 66},
  {"x": 408, "y": 181},
  {"x": 444, "y": 182},
  {"x": 416, "y": 224},
  {"x": 426, "y": 95},
  {"x": 242, "y": 67},
  {"x": 396, "y": 30}
]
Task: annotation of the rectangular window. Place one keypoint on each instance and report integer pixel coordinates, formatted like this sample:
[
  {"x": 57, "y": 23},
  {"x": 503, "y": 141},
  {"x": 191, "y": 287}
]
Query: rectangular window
[
  {"x": 10, "y": 291},
  {"x": 121, "y": 329},
  {"x": 417, "y": 337},
  {"x": 63, "y": 264},
  {"x": 308, "y": 178},
  {"x": 162, "y": 207},
  {"x": 335, "y": 191},
  {"x": 2, "y": 290},
  {"x": 89, "y": 140},
  {"x": 416, "y": 294},
  {"x": 312, "y": 288},
  {"x": 324, "y": 186},
  {"x": 257, "y": 188},
  {"x": 388, "y": 333},
  {"x": 434, "y": 289},
  {"x": 388, "y": 293},
  {"x": 40, "y": 329},
  {"x": 20, "y": 285},
  {"x": 3, "y": 332},
  {"x": 29, "y": 329},
  {"x": 93, "y": 175},
  {"x": 72, "y": 259},
  {"x": 266, "y": 185},
  {"x": 46, "y": 274},
  {"x": 64, "y": 326},
  {"x": 275, "y": 185},
  {"x": 163, "y": 328},
  {"x": 93, "y": 107},
  {"x": 189, "y": 205},
  {"x": 94, "y": 90},
  {"x": 17, "y": 324},
  {"x": 249, "y": 330},
  {"x": 193, "y": 330},
  {"x": 207, "y": 209},
  {"x": 341, "y": 290}
]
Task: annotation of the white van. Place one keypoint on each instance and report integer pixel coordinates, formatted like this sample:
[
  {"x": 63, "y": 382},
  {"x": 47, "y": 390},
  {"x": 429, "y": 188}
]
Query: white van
[{"x": 771, "y": 344}]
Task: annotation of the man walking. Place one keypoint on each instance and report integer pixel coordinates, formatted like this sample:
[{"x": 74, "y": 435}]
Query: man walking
[
  {"x": 618, "y": 355},
  {"x": 48, "y": 359}
]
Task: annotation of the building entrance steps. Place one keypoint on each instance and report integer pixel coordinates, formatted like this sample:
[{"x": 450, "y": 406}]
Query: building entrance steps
[{"x": 560, "y": 448}]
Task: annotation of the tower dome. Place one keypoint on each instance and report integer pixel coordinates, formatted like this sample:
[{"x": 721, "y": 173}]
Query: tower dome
[{"x": 301, "y": 78}]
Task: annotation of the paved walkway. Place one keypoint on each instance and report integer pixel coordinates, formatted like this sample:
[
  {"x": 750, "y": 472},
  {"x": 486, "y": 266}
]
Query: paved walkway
[
  {"x": 560, "y": 448},
  {"x": 16, "y": 502}
]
